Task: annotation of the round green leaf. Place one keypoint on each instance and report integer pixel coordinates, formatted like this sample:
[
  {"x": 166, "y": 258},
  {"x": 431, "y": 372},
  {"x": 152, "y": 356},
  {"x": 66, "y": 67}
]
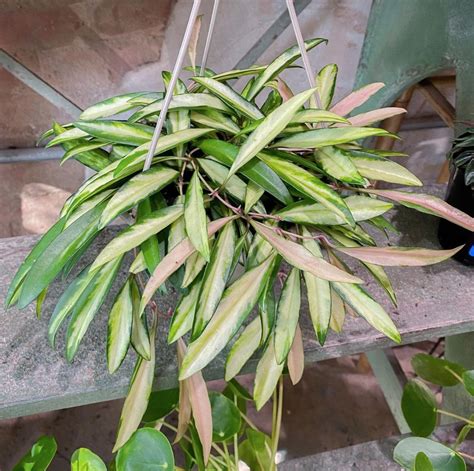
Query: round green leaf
[
  {"x": 40, "y": 455},
  {"x": 84, "y": 460},
  {"x": 147, "y": 449},
  {"x": 468, "y": 380},
  {"x": 419, "y": 408},
  {"x": 160, "y": 404},
  {"x": 225, "y": 417},
  {"x": 436, "y": 370},
  {"x": 441, "y": 457},
  {"x": 422, "y": 462}
]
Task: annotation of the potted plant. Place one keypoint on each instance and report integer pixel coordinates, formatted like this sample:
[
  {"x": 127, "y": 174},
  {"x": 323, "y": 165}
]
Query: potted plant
[
  {"x": 244, "y": 209},
  {"x": 461, "y": 195}
]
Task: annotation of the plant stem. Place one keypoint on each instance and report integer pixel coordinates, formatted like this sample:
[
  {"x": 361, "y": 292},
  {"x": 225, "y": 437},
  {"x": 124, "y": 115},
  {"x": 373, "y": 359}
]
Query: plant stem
[
  {"x": 227, "y": 456},
  {"x": 454, "y": 374},
  {"x": 277, "y": 422},
  {"x": 469, "y": 457},
  {"x": 455, "y": 416}
]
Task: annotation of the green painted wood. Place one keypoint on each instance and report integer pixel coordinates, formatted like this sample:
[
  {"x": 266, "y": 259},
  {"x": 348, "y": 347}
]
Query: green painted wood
[
  {"x": 391, "y": 385},
  {"x": 409, "y": 40}
]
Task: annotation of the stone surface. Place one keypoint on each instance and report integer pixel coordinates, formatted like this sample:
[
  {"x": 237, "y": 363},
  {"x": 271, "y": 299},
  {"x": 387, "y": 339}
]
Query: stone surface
[
  {"x": 371, "y": 456},
  {"x": 37, "y": 378}
]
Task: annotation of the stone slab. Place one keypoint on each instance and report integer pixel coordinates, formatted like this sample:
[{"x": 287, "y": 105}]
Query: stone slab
[
  {"x": 369, "y": 456},
  {"x": 433, "y": 301}
]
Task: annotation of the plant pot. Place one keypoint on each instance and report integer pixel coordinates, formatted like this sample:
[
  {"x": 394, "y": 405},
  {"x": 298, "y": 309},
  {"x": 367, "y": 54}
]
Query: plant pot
[{"x": 461, "y": 196}]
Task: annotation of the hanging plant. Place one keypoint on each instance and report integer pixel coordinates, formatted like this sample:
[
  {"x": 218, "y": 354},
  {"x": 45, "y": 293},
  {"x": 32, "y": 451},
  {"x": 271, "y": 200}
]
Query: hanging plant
[{"x": 239, "y": 198}]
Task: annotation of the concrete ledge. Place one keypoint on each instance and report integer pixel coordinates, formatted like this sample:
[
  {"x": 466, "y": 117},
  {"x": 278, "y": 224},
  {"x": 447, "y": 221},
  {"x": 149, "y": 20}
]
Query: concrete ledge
[{"x": 433, "y": 301}]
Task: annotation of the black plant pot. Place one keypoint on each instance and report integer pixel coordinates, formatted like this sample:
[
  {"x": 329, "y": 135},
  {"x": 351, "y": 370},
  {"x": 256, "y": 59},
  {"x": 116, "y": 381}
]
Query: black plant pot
[{"x": 460, "y": 196}]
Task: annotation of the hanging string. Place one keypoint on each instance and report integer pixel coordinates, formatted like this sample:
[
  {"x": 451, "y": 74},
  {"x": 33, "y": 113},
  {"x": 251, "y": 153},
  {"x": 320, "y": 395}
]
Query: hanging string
[
  {"x": 210, "y": 32},
  {"x": 172, "y": 84},
  {"x": 304, "y": 53}
]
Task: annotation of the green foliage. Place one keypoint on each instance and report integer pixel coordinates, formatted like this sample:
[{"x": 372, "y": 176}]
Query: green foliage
[{"x": 39, "y": 457}]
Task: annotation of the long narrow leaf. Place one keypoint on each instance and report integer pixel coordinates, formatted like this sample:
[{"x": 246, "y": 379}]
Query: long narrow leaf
[{"x": 356, "y": 98}]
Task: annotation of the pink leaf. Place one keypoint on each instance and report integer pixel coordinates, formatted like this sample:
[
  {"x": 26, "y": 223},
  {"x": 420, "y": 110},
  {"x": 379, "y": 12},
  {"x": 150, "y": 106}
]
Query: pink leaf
[
  {"x": 355, "y": 99},
  {"x": 399, "y": 256},
  {"x": 184, "y": 414},
  {"x": 295, "y": 360},
  {"x": 434, "y": 205},
  {"x": 200, "y": 405},
  {"x": 374, "y": 116}
]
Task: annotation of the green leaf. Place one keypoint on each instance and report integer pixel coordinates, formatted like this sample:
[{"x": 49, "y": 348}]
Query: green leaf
[
  {"x": 399, "y": 256},
  {"x": 193, "y": 268},
  {"x": 307, "y": 212},
  {"x": 195, "y": 217},
  {"x": 215, "y": 278},
  {"x": 226, "y": 420},
  {"x": 384, "y": 170},
  {"x": 366, "y": 307},
  {"x": 326, "y": 83},
  {"x": 139, "y": 335},
  {"x": 137, "y": 233},
  {"x": 442, "y": 457},
  {"x": 148, "y": 449},
  {"x": 38, "y": 249},
  {"x": 134, "y": 408},
  {"x": 356, "y": 98},
  {"x": 235, "y": 306},
  {"x": 255, "y": 451},
  {"x": 288, "y": 312},
  {"x": 253, "y": 195},
  {"x": 95, "y": 159},
  {"x": 67, "y": 301},
  {"x": 243, "y": 348},
  {"x": 308, "y": 184},
  {"x": 428, "y": 204},
  {"x": 230, "y": 97},
  {"x": 272, "y": 101},
  {"x": 110, "y": 106},
  {"x": 419, "y": 408},
  {"x": 119, "y": 328},
  {"x": 85, "y": 460},
  {"x": 214, "y": 119},
  {"x": 300, "y": 257},
  {"x": 87, "y": 146},
  {"x": 267, "y": 375},
  {"x": 63, "y": 135},
  {"x": 422, "y": 462},
  {"x": 318, "y": 293},
  {"x": 39, "y": 457},
  {"x": 135, "y": 190},
  {"x": 254, "y": 170},
  {"x": 150, "y": 247},
  {"x": 135, "y": 160},
  {"x": 118, "y": 132},
  {"x": 88, "y": 304},
  {"x": 52, "y": 259},
  {"x": 234, "y": 186},
  {"x": 185, "y": 101},
  {"x": 279, "y": 64},
  {"x": 314, "y": 115},
  {"x": 437, "y": 370},
  {"x": 318, "y": 138},
  {"x": 161, "y": 404},
  {"x": 338, "y": 164},
  {"x": 174, "y": 259},
  {"x": 268, "y": 129},
  {"x": 468, "y": 380},
  {"x": 183, "y": 315}
]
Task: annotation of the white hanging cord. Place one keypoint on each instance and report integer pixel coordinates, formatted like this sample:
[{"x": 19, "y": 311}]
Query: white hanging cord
[
  {"x": 304, "y": 53},
  {"x": 172, "y": 84},
  {"x": 209, "y": 37}
]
